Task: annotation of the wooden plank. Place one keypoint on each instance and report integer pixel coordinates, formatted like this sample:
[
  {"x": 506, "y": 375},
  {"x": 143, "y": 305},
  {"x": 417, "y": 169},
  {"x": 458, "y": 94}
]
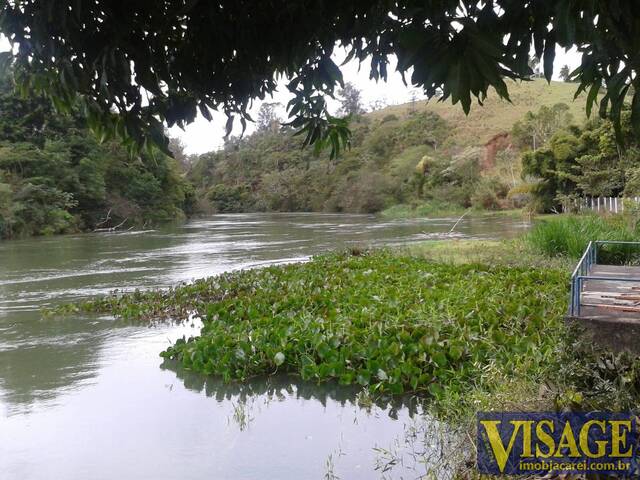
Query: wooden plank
[
  {"x": 622, "y": 296},
  {"x": 620, "y": 308},
  {"x": 611, "y": 300}
]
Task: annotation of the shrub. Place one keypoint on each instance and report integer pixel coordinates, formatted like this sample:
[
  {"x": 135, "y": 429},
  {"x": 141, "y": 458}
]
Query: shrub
[
  {"x": 632, "y": 185},
  {"x": 365, "y": 193},
  {"x": 520, "y": 195},
  {"x": 389, "y": 118},
  {"x": 489, "y": 194},
  {"x": 228, "y": 198}
]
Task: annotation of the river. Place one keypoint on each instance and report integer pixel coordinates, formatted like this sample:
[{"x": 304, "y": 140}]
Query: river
[{"x": 88, "y": 397}]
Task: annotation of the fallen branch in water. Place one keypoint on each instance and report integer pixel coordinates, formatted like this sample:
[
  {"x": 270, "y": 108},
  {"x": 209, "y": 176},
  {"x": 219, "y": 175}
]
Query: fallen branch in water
[
  {"x": 451, "y": 232},
  {"x": 459, "y": 220},
  {"x": 112, "y": 229},
  {"x": 106, "y": 219}
]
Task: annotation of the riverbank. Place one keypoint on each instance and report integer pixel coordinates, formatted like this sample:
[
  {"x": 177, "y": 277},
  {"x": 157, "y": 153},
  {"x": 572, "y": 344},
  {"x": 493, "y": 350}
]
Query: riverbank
[{"x": 508, "y": 253}]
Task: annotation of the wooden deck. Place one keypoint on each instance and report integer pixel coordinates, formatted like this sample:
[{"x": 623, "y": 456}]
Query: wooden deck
[
  {"x": 616, "y": 300},
  {"x": 611, "y": 309}
]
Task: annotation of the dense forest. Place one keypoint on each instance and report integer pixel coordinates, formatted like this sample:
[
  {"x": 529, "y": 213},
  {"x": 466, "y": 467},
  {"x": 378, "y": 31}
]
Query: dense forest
[
  {"x": 55, "y": 177},
  {"x": 269, "y": 171}
]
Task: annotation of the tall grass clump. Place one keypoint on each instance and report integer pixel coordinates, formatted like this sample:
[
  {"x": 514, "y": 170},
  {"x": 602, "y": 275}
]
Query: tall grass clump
[{"x": 570, "y": 235}]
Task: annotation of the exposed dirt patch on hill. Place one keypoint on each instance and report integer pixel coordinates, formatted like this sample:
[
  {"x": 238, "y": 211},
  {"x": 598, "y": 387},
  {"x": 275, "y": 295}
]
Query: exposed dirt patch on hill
[{"x": 498, "y": 142}]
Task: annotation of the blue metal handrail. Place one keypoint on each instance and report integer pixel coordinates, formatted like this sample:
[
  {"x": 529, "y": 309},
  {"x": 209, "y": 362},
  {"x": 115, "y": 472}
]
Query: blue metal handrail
[{"x": 581, "y": 272}]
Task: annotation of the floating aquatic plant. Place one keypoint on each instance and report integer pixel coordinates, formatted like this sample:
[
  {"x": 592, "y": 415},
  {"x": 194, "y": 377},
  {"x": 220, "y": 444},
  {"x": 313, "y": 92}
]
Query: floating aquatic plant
[{"x": 390, "y": 323}]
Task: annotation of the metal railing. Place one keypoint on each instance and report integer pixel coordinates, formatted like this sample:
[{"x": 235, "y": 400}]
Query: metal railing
[{"x": 583, "y": 269}]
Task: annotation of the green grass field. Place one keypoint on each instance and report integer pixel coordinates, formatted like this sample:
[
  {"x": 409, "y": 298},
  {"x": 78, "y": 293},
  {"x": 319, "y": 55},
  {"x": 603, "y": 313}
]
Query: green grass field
[{"x": 496, "y": 115}]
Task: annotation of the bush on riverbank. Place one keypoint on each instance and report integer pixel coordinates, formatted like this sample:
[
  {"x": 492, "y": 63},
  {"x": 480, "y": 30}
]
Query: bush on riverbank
[
  {"x": 569, "y": 235},
  {"x": 55, "y": 177}
]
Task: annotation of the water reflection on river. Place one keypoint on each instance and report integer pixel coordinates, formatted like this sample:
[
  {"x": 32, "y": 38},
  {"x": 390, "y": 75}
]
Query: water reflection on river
[{"x": 88, "y": 397}]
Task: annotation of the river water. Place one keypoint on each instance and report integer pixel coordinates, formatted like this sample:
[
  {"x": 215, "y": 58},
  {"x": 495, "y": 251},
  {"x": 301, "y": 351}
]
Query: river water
[{"x": 88, "y": 397}]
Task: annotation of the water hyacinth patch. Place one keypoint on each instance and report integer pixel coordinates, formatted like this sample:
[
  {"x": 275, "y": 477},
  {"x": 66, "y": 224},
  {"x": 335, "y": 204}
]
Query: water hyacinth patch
[{"x": 391, "y": 323}]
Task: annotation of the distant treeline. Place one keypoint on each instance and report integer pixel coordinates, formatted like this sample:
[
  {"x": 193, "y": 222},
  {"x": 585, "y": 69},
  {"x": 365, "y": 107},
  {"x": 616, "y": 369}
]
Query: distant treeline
[{"x": 392, "y": 160}]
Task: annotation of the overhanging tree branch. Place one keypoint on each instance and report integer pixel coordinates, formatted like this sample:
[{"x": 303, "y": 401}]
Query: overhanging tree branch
[{"x": 137, "y": 66}]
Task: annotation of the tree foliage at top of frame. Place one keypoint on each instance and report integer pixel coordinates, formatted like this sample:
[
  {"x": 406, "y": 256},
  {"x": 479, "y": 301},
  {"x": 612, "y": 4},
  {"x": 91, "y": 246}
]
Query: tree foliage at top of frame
[{"x": 136, "y": 65}]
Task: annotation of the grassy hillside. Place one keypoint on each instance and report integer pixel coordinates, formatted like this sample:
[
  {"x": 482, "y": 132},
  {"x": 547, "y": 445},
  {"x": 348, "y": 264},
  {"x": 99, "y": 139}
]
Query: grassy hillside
[
  {"x": 427, "y": 157},
  {"x": 495, "y": 115}
]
